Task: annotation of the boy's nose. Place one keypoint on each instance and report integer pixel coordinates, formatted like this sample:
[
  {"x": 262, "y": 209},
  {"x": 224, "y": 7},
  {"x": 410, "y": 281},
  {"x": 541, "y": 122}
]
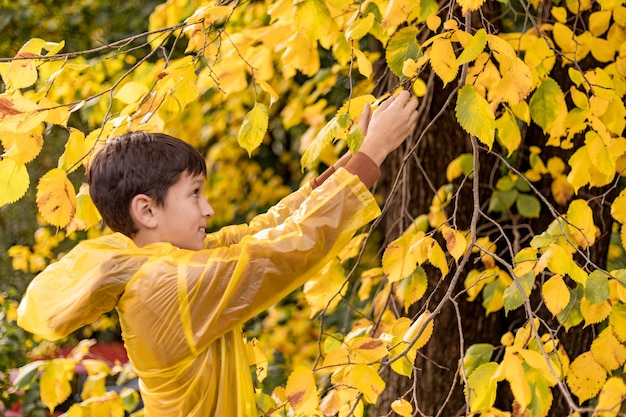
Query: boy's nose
[{"x": 207, "y": 209}]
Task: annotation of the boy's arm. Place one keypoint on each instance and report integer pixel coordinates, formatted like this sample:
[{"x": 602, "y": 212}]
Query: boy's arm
[{"x": 384, "y": 131}]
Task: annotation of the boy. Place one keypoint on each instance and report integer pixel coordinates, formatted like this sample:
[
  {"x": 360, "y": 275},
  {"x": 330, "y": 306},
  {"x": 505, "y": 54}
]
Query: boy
[{"x": 182, "y": 295}]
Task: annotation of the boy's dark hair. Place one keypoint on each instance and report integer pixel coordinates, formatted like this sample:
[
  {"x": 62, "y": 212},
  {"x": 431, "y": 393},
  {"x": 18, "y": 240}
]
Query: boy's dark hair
[{"x": 138, "y": 163}]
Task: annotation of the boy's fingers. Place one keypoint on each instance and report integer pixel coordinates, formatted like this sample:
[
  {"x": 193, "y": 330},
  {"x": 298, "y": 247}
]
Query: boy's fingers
[{"x": 364, "y": 120}]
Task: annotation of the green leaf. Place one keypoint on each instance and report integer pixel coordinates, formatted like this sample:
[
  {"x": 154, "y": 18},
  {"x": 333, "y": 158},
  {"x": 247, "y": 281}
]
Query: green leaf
[
  {"x": 571, "y": 315},
  {"x": 513, "y": 298},
  {"x": 546, "y": 103},
  {"x": 253, "y": 128},
  {"x": 476, "y": 355},
  {"x": 481, "y": 387},
  {"x": 402, "y": 46},
  {"x": 502, "y": 200},
  {"x": 528, "y": 206},
  {"x": 541, "y": 398},
  {"x": 509, "y": 134},
  {"x": 475, "y": 116},
  {"x": 474, "y": 48},
  {"x": 360, "y": 27},
  {"x": 27, "y": 375},
  {"x": 493, "y": 294},
  {"x": 324, "y": 137},
  {"x": 130, "y": 399},
  {"x": 617, "y": 320},
  {"x": 412, "y": 288},
  {"x": 597, "y": 287}
]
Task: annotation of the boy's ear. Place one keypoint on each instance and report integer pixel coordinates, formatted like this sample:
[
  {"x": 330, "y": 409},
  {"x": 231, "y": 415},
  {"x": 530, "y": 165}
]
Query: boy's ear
[{"x": 141, "y": 211}]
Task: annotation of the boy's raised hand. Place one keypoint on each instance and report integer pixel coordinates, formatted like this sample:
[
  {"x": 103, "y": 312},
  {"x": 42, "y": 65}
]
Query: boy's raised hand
[{"x": 389, "y": 126}]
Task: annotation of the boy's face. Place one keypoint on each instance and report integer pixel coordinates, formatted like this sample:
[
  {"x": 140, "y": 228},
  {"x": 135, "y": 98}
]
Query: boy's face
[{"x": 182, "y": 217}]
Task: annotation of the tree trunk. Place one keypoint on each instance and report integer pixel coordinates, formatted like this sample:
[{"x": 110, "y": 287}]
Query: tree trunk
[{"x": 436, "y": 387}]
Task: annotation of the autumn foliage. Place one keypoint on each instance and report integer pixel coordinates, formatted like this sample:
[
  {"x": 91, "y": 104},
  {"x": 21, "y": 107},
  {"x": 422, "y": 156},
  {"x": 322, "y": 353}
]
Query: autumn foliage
[{"x": 281, "y": 81}]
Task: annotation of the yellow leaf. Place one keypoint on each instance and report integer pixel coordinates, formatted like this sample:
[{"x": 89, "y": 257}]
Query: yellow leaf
[
  {"x": 366, "y": 350},
  {"x": 555, "y": 294},
  {"x": 537, "y": 361},
  {"x": 257, "y": 357},
  {"x": 611, "y": 397},
  {"x": 433, "y": 22},
  {"x": 22, "y": 147},
  {"x": 562, "y": 190},
  {"x": 398, "y": 261},
  {"x": 470, "y": 5},
  {"x": 131, "y": 92},
  {"x": 559, "y": 13},
  {"x": 366, "y": 379},
  {"x": 455, "y": 242},
  {"x": 324, "y": 290},
  {"x": 265, "y": 86},
  {"x": 75, "y": 151},
  {"x": 22, "y": 71},
  {"x": 608, "y": 351},
  {"x": 508, "y": 131},
  {"x": 360, "y": 27},
  {"x": 599, "y": 22},
  {"x": 574, "y": 47},
  {"x": 56, "y": 198},
  {"x": 94, "y": 386},
  {"x": 513, "y": 370},
  {"x": 399, "y": 11},
  {"x": 209, "y": 14},
  {"x": 515, "y": 84},
  {"x": 14, "y": 180},
  {"x": 301, "y": 391},
  {"x": 55, "y": 380},
  {"x": 602, "y": 50},
  {"x": 57, "y": 114},
  {"x": 580, "y": 223},
  {"x": 300, "y": 55},
  {"x": 437, "y": 258},
  {"x": 87, "y": 214},
  {"x": 594, "y": 313},
  {"x": 618, "y": 207},
  {"x": 253, "y": 128},
  {"x": 443, "y": 60},
  {"x": 585, "y": 377},
  {"x": 313, "y": 18},
  {"x": 353, "y": 248},
  {"x": 481, "y": 387},
  {"x": 420, "y": 330},
  {"x": 19, "y": 114},
  {"x": 364, "y": 64},
  {"x": 402, "y": 407}
]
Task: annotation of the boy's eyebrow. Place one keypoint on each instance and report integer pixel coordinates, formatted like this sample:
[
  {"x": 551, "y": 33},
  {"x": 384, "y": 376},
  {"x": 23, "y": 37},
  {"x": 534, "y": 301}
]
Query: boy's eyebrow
[{"x": 197, "y": 181}]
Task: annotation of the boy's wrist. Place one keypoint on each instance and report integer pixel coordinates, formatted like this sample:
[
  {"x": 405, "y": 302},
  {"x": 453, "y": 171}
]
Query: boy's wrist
[{"x": 363, "y": 166}]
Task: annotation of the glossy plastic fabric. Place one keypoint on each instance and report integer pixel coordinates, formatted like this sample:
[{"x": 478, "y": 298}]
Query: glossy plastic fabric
[{"x": 181, "y": 311}]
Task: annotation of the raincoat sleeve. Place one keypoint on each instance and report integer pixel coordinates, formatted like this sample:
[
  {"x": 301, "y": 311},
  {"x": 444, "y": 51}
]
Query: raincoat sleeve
[
  {"x": 229, "y": 235},
  {"x": 74, "y": 291},
  {"x": 211, "y": 292}
]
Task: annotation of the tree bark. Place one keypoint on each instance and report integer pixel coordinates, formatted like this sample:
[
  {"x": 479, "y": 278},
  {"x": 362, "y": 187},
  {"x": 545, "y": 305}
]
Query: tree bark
[{"x": 436, "y": 386}]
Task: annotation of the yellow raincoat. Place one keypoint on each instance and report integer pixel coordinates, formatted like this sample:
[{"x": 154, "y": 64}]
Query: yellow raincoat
[{"x": 181, "y": 310}]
